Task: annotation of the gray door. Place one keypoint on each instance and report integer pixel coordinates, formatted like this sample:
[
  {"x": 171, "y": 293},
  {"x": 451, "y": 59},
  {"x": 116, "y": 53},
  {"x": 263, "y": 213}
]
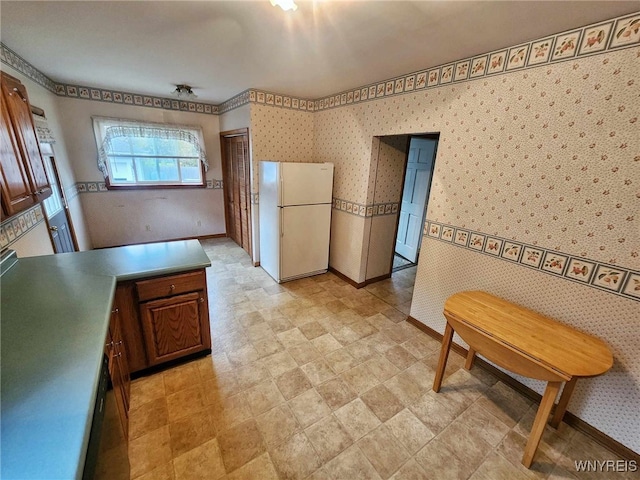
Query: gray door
[
  {"x": 55, "y": 207},
  {"x": 417, "y": 182}
]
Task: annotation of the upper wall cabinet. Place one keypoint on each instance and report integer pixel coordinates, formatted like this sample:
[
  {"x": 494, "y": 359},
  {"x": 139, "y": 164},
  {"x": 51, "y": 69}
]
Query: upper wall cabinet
[{"x": 23, "y": 177}]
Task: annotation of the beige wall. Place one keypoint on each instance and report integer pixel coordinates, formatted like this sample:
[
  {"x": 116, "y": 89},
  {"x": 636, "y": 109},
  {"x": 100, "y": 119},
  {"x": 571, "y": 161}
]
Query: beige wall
[
  {"x": 34, "y": 243},
  {"x": 234, "y": 119},
  {"x": 123, "y": 217},
  {"x": 545, "y": 156}
]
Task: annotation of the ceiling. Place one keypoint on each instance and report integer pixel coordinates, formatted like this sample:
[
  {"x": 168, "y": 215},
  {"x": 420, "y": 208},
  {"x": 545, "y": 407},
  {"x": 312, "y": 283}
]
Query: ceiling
[{"x": 222, "y": 48}]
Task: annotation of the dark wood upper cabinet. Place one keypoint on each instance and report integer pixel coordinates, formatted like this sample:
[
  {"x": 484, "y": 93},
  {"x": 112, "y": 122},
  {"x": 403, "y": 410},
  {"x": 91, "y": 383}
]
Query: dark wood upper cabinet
[
  {"x": 16, "y": 188},
  {"x": 24, "y": 179}
]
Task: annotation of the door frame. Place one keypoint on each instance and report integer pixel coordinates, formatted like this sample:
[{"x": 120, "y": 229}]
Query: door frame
[
  {"x": 65, "y": 207},
  {"x": 429, "y": 136},
  {"x": 238, "y": 132}
]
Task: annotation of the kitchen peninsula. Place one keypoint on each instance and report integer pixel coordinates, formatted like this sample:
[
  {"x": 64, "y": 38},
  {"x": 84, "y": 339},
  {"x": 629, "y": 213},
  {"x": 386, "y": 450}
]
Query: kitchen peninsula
[{"x": 56, "y": 313}]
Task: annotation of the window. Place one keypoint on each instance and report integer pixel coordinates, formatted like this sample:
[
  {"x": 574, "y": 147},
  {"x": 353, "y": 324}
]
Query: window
[{"x": 135, "y": 154}]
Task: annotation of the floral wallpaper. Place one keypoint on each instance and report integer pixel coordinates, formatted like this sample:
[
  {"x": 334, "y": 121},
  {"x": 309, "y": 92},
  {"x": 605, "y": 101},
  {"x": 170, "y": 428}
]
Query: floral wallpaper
[
  {"x": 389, "y": 169},
  {"x": 279, "y": 134},
  {"x": 610, "y": 278},
  {"x": 547, "y": 156}
]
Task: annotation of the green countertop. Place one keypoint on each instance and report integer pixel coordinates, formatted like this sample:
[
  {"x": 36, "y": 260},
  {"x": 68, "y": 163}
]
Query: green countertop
[{"x": 55, "y": 315}]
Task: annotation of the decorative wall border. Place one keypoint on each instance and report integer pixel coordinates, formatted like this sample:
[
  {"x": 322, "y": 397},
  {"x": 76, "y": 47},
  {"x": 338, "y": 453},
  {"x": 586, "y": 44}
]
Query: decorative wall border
[
  {"x": 263, "y": 97},
  {"x": 12, "y": 229},
  {"x": 11, "y": 58},
  {"x": 603, "y": 276},
  {"x": 601, "y": 37},
  {"x": 371, "y": 210},
  {"x": 617, "y": 33},
  {"x": 279, "y": 100},
  {"x": 128, "y": 98},
  {"x": 101, "y": 187},
  {"x": 353, "y": 208}
]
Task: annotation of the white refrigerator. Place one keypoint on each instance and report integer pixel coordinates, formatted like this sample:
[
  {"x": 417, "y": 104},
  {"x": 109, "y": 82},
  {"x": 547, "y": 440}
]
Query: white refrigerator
[{"x": 295, "y": 218}]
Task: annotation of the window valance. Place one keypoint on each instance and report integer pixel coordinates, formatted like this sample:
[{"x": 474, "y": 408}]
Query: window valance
[{"x": 108, "y": 130}]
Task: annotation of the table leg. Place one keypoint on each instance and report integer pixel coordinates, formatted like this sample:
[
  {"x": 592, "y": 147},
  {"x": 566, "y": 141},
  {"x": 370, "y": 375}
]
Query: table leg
[
  {"x": 563, "y": 402},
  {"x": 444, "y": 354},
  {"x": 540, "y": 421},
  {"x": 471, "y": 356}
]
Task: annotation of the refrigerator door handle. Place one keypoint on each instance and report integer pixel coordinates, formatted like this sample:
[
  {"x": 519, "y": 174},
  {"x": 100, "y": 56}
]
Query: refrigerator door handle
[
  {"x": 281, "y": 192},
  {"x": 281, "y": 222}
]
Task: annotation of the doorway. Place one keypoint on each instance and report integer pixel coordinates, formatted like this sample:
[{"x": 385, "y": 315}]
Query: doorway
[
  {"x": 236, "y": 179},
  {"x": 56, "y": 208},
  {"x": 415, "y": 194}
]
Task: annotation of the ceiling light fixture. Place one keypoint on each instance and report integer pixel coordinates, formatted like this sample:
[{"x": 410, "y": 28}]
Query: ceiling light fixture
[
  {"x": 184, "y": 91},
  {"x": 285, "y": 5}
]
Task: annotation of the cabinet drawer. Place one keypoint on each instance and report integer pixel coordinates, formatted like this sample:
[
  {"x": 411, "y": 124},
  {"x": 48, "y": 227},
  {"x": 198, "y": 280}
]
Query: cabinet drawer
[{"x": 173, "y": 285}]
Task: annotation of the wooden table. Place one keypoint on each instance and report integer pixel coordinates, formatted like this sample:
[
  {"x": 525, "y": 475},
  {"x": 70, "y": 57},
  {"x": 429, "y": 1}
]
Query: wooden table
[{"x": 525, "y": 343}]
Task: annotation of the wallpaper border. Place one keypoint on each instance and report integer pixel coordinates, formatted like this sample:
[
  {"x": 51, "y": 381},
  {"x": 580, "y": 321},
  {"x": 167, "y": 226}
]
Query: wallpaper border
[
  {"x": 11, "y": 58},
  {"x": 16, "y": 227},
  {"x": 353, "y": 208},
  {"x": 596, "y": 38},
  {"x": 273, "y": 99},
  {"x": 101, "y": 187},
  {"x": 593, "y": 39},
  {"x": 370, "y": 210},
  {"x": 610, "y": 278}
]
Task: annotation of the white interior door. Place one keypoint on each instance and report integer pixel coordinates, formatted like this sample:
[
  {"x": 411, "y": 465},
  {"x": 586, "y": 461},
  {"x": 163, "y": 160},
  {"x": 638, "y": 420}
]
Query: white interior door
[
  {"x": 304, "y": 247},
  {"x": 414, "y": 196}
]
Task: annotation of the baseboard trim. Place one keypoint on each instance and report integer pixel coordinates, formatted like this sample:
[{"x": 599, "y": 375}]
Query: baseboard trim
[
  {"x": 342, "y": 276},
  {"x": 355, "y": 284},
  {"x": 377, "y": 279},
  {"x": 569, "y": 418}
]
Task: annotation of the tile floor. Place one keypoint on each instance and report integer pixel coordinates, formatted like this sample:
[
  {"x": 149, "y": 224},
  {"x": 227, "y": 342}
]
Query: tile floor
[
  {"x": 316, "y": 379},
  {"x": 399, "y": 262}
]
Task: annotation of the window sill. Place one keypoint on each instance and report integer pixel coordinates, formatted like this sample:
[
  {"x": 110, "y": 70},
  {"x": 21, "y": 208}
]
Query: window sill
[{"x": 154, "y": 187}]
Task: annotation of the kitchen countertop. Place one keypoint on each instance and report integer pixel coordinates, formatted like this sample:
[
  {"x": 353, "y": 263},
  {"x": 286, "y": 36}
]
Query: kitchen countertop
[{"x": 55, "y": 315}]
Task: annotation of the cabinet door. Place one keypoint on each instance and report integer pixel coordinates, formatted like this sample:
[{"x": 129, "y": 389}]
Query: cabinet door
[
  {"x": 173, "y": 326},
  {"x": 15, "y": 96},
  {"x": 16, "y": 190},
  {"x": 130, "y": 327},
  {"x": 120, "y": 354},
  {"x": 119, "y": 369}
]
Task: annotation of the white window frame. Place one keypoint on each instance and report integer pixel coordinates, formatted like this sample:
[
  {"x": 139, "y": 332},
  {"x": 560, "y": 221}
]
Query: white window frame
[{"x": 190, "y": 133}]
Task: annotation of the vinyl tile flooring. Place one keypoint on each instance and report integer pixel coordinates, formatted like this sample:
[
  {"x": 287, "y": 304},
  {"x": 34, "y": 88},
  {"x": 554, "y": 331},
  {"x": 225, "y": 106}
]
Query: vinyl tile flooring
[{"x": 316, "y": 379}]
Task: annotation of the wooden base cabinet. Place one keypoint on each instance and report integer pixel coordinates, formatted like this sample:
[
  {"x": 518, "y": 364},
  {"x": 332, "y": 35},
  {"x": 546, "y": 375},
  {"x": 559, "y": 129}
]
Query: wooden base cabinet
[
  {"x": 131, "y": 329},
  {"x": 173, "y": 326},
  {"x": 165, "y": 318},
  {"x": 119, "y": 369}
]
